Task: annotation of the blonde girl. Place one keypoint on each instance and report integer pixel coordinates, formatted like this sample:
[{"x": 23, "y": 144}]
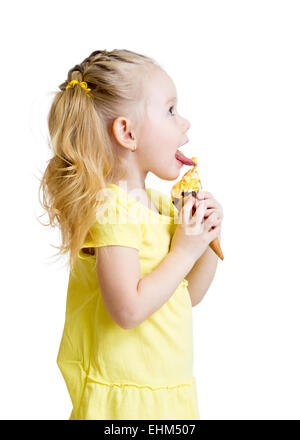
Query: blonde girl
[{"x": 126, "y": 350}]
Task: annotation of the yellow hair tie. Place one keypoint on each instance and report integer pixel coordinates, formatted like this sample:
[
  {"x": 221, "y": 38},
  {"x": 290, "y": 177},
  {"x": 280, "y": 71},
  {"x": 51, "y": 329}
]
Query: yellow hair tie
[{"x": 83, "y": 84}]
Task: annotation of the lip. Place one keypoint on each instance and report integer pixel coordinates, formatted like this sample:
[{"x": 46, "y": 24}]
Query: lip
[{"x": 185, "y": 142}]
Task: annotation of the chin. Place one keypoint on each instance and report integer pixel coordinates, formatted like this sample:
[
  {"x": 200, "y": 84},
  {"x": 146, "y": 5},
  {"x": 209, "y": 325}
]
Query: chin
[
  {"x": 166, "y": 170},
  {"x": 168, "y": 174}
]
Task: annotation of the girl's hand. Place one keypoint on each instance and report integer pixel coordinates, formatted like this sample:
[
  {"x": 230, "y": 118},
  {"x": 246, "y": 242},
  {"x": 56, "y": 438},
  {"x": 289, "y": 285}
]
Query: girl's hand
[
  {"x": 194, "y": 232},
  {"x": 213, "y": 206}
]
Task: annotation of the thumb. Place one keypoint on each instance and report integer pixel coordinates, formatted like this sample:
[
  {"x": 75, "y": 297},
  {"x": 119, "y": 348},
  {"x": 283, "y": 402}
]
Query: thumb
[
  {"x": 183, "y": 201},
  {"x": 188, "y": 203}
]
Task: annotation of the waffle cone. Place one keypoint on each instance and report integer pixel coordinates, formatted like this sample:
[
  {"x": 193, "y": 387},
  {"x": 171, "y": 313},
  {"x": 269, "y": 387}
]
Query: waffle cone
[{"x": 216, "y": 247}]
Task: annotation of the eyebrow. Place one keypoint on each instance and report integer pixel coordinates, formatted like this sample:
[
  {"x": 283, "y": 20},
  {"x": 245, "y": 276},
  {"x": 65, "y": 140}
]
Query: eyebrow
[{"x": 172, "y": 99}]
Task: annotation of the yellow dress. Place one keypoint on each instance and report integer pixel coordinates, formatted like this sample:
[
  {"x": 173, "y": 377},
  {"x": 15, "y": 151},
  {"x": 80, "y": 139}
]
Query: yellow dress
[{"x": 143, "y": 373}]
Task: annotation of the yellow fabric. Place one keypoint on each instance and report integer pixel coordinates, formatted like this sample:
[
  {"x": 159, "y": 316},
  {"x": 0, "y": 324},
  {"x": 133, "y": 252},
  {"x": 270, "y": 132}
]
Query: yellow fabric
[{"x": 141, "y": 373}]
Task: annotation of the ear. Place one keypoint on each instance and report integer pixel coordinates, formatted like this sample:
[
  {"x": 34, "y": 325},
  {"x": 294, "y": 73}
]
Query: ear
[{"x": 123, "y": 133}]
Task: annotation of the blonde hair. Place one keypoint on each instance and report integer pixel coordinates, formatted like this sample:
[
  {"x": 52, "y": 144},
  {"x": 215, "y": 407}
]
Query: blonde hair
[{"x": 84, "y": 160}]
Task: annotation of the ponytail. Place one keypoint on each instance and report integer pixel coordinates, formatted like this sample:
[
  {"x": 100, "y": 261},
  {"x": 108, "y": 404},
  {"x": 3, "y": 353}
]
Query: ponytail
[{"x": 79, "y": 124}]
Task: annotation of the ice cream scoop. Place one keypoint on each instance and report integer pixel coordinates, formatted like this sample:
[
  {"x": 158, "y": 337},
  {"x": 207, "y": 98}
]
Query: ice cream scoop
[{"x": 190, "y": 183}]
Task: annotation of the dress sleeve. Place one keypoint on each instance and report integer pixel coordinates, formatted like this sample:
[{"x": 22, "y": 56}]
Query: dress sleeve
[{"x": 117, "y": 225}]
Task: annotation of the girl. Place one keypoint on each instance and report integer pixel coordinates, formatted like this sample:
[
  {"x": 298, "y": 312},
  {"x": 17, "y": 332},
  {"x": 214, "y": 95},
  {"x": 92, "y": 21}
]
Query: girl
[{"x": 126, "y": 350}]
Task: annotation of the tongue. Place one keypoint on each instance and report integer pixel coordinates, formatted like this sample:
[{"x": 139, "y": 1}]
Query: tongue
[{"x": 180, "y": 156}]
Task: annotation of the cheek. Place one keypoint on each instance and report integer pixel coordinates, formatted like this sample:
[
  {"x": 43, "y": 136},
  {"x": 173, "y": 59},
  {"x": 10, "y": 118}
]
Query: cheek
[
  {"x": 164, "y": 164},
  {"x": 162, "y": 156},
  {"x": 162, "y": 129}
]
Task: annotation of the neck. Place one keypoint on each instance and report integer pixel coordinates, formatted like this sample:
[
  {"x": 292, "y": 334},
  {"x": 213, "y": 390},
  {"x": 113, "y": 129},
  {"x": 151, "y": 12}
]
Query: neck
[{"x": 132, "y": 182}]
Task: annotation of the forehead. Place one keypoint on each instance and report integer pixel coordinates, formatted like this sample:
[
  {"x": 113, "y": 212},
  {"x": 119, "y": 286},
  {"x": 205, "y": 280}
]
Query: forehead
[{"x": 160, "y": 87}]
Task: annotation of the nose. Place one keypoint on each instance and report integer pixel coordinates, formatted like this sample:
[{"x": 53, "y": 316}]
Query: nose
[{"x": 187, "y": 125}]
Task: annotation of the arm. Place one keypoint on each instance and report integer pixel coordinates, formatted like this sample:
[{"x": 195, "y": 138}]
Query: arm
[
  {"x": 129, "y": 299},
  {"x": 201, "y": 275},
  {"x": 158, "y": 286},
  {"x": 203, "y": 271}
]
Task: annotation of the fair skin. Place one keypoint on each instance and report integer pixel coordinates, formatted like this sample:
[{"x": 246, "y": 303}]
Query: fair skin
[
  {"x": 161, "y": 125},
  {"x": 204, "y": 269},
  {"x": 129, "y": 298}
]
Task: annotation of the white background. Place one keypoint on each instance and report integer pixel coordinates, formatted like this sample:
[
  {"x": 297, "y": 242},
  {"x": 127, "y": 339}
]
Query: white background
[{"x": 236, "y": 68}]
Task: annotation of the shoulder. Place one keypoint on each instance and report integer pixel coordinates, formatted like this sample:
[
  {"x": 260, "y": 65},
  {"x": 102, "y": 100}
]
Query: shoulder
[
  {"x": 115, "y": 224},
  {"x": 112, "y": 207},
  {"x": 166, "y": 198},
  {"x": 163, "y": 201}
]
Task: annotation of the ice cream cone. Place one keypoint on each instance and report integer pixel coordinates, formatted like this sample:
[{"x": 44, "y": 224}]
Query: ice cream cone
[
  {"x": 216, "y": 247},
  {"x": 190, "y": 183}
]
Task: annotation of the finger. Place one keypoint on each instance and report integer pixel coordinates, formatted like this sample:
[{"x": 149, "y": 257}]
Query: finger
[
  {"x": 187, "y": 208},
  {"x": 200, "y": 211},
  {"x": 212, "y": 221},
  {"x": 211, "y": 202},
  {"x": 203, "y": 195},
  {"x": 200, "y": 195},
  {"x": 214, "y": 233},
  {"x": 214, "y": 210},
  {"x": 204, "y": 203},
  {"x": 209, "y": 212}
]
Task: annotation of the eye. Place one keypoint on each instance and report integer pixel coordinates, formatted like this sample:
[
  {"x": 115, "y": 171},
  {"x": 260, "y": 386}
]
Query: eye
[{"x": 170, "y": 109}]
